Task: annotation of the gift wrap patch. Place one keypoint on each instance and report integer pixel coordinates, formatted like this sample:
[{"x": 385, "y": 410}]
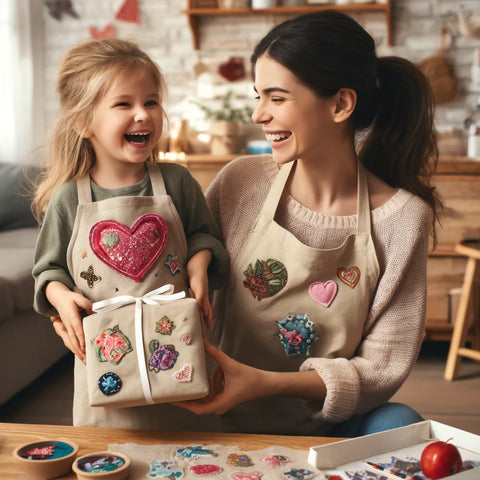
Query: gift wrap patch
[{"x": 173, "y": 359}]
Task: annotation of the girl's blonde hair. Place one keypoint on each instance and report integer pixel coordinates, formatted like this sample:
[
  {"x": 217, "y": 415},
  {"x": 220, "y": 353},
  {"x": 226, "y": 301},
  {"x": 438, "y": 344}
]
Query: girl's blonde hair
[{"x": 86, "y": 72}]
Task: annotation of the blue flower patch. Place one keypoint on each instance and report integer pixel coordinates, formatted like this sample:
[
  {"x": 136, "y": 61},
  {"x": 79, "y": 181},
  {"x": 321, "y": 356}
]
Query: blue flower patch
[{"x": 297, "y": 334}]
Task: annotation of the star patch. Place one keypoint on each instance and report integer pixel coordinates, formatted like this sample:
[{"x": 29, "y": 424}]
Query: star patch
[{"x": 174, "y": 264}]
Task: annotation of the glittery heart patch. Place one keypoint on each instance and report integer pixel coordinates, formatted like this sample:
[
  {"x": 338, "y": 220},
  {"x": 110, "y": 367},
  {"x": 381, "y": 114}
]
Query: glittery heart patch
[
  {"x": 184, "y": 375},
  {"x": 323, "y": 292},
  {"x": 130, "y": 251},
  {"x": 349, "y": 276}
]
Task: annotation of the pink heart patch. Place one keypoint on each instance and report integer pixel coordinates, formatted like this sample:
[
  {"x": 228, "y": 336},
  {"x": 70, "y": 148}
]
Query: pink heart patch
[
  {"x": 184, "y": 375},
  {"x": 323, "y": 292},
  {"x": 130, "y": 251}
]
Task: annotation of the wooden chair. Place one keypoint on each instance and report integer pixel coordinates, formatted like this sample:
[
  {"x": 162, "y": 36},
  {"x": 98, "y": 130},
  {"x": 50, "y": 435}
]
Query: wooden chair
[{"x": 471, "y": 249}]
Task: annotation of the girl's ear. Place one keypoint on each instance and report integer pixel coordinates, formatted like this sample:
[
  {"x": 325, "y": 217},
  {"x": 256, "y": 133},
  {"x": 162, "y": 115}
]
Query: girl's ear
[{"x": 345, "y": 101}]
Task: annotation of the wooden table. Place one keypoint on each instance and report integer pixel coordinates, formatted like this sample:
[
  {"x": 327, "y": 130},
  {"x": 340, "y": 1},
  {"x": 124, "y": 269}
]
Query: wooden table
[{"x": 91, "y": 439}]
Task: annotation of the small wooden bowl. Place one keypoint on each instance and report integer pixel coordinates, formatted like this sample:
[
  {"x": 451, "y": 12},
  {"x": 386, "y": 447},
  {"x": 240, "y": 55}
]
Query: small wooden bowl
[
  {"x": 102, "y": 465},
  {"x": 46, "y": 459}
]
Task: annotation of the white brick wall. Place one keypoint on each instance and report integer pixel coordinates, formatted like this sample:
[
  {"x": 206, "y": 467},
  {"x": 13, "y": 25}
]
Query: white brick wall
[{"x": 164, "y": 33}]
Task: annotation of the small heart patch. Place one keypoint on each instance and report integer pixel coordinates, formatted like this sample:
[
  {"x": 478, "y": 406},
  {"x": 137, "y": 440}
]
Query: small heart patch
[
  {"x": 349, "y": 276},
  {"x": 130, "y": 251},
  {"x": 323, "y": 292},
  {"x": 184, "y": 375}
]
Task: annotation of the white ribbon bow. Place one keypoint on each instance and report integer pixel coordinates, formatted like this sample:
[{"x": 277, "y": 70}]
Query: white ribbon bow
[{"x": 155, "y": 297}]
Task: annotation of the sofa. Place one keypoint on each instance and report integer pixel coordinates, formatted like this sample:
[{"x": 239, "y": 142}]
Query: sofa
[{"x": 29, "y": 344}]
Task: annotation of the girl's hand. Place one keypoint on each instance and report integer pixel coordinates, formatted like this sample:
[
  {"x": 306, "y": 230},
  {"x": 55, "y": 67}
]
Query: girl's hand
[
  {"x": 197, "y": 273},
  {"x": 232, "y": 383},
  {"x": 71, "y": 308}
]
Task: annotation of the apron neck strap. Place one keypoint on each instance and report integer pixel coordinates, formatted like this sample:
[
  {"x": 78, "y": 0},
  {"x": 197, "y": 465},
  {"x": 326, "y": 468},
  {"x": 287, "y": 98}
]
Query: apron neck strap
[
  {"x": 83, "y": 189},
  {"x": 363, "y": 204},
  {"x": 156, "y": 178}
]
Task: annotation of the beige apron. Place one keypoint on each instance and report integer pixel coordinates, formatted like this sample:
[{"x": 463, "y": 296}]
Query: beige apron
[
  {"x": 288, "y": 301},
  {"x": 157, "y": 258}
]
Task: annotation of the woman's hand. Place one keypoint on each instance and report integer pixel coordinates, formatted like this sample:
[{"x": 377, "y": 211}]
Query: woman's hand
[
  {"x": 71, "y": 308},
  {"x": 232, "y": 383},
  {"x": 197, "y": 273}
]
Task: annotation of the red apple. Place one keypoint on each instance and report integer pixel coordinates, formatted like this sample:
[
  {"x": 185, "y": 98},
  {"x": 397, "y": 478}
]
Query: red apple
[{"x": 440, "y": 459}]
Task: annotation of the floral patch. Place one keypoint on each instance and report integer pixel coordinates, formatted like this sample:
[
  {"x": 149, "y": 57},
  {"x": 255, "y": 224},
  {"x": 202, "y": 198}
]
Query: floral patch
[
  {"x": 165, "y": 469},
  {"x": 239, "y": 460},
  {"x": 109, "y": 383},
  {"x": 297, "y": 334},
  {"x": 206, "y": 469},
  {"x": 246, "y": 476},
  {"x": 163, "y": 357},
  {"x": 265, "y": 278},
  {"x": 165, "y": 326},
  {"x": 192, "y": 453},
  {"x": 275, "y": 460},
  {"x": 111, "y": 345},
  {"x": 174, "y": 264},
  {"x": 298, "y": 474}
]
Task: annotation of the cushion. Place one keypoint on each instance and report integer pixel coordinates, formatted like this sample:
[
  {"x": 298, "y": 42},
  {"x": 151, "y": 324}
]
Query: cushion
[{"x": 15, "y": 195}]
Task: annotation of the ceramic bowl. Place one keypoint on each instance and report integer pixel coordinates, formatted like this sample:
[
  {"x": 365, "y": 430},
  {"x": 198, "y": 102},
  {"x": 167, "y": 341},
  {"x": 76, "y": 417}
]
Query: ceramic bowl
[
  {"x": 102, "y": 465},
  {"x": 46, "y": 459}
]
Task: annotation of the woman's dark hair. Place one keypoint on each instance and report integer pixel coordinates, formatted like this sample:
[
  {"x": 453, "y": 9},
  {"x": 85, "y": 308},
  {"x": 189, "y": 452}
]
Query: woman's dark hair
[{"x": 395, "y": 107}]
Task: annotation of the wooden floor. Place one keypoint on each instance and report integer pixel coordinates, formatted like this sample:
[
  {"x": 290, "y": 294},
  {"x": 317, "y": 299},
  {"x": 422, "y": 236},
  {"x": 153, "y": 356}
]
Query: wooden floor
[{"x": 49, "y": 399}]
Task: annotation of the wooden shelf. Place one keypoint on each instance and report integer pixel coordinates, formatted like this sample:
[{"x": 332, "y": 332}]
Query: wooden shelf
[{"x": 195, "y": 14}]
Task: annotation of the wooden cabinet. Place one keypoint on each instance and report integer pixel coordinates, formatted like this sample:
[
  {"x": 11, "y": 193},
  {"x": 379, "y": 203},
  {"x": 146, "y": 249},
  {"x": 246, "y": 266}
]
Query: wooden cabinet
[
  {"x": 458, "y": 181},
  {"x": 195, "y": 14}
]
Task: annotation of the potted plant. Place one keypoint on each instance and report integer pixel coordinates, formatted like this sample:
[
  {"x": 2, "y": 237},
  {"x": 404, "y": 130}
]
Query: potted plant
[{"x": 224, "y": 124}]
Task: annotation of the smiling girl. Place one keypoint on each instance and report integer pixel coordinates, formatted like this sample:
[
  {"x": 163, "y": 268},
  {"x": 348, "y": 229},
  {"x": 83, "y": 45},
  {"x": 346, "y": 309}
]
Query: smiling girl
[
  {"x": 323, "y": 316},
  {"x": 102, "y": 168}
]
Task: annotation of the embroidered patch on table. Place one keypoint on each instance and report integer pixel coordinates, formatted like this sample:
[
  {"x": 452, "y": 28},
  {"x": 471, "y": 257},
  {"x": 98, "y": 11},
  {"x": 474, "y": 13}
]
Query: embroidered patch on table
[
  {"x": 109, "y": 383},
  {"x": 111, "y": 345},
  {"x": 130, "y": 251},
  {"x": 265, "y": 278},
  {"x": 298, "y": 474},
  {"x": 247, "y": 476},
  {"x": 239, "y": 460},
  {"x": 323, "y": 292},
  {"x": 90, "y": 276},
  {"x": 184, "y": 375},
  {"x": 349, "y": 276},
  {"x": 192, "y": 453},
  {"x": 165, "y": 469},
  {"x": 275, "y": 460},
  {"x": 165, "y": 326},
  {"x": 163, "y": 357},
  {"x": 174, "y": 264},
  {"x": 206, "y": 469},
  {"x": 297, "y": 334}
]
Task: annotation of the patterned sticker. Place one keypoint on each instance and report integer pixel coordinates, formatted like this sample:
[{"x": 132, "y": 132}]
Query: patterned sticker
[
  {"x": 111, "y": 345},
  {"x": 90, "y": 276},
  {"x": 275, "y": 460},
  {"x": 266, "y": 278},
  {"x": 349, "y": 276},
  {"x": 163, "y": 357},
  {"x": 296, "y": 334},
  {"x": 109, "y": 383},
  {"x": 184, "y": 375},
  {"x": 298, "y": 474},
  {"x": 239, "y": 460},
  {"x": 174, "y": 264},
  {"x": 247, "y": 476},
  {"x": 206, "y": 469},
  {"x": 192, "y": 453},
  {"x": 165, "y": 326},
  {"x": 323, "y": 292},
  {"x": 130, "y": 251},
  {"x": 165, "y": 469}
]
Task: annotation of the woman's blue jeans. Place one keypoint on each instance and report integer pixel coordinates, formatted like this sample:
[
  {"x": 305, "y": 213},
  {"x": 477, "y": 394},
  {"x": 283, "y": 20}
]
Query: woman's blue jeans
[{"x": 385, "y": 417}]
